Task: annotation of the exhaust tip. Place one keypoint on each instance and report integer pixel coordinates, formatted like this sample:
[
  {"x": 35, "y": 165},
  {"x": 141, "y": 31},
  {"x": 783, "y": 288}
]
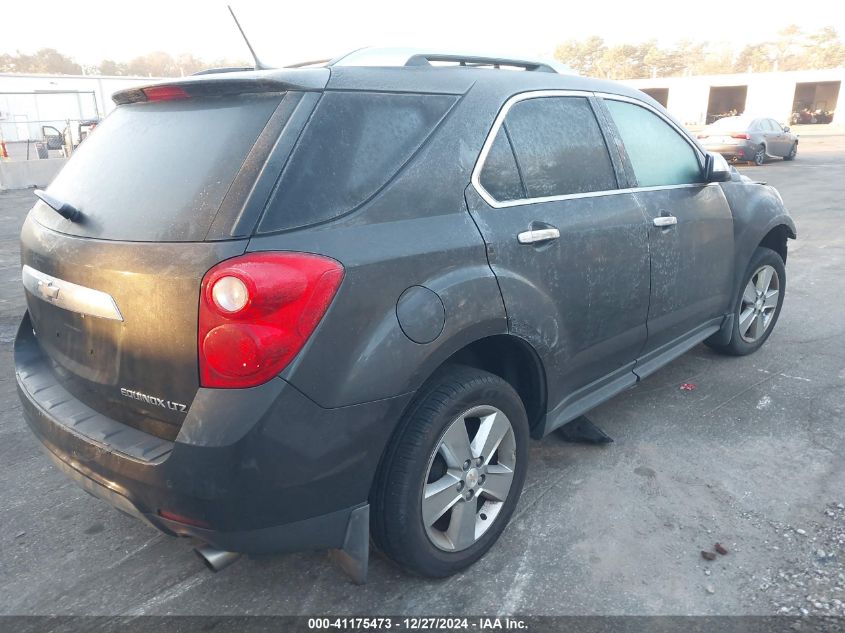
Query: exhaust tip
[{"x": 216, "y": 559}]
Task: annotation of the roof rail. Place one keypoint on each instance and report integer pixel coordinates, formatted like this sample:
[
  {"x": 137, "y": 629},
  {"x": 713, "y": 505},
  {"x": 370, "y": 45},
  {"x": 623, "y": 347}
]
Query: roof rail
[
  {"x": 425, "y": 59},
  {"x": 407, "y": 56}
]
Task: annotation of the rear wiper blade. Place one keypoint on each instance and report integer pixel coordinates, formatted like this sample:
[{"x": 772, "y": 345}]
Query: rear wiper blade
[{"x": 64, "y": 209}]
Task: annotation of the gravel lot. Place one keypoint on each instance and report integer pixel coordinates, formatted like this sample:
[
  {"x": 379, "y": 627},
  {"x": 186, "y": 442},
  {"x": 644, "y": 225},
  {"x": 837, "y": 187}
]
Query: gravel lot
[{"x": 752, "y": 459}]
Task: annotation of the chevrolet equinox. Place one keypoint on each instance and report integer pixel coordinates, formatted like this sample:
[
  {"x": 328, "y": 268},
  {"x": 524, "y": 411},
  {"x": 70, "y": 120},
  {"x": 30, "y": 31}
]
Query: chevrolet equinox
[{"x": 291, "y": 309}]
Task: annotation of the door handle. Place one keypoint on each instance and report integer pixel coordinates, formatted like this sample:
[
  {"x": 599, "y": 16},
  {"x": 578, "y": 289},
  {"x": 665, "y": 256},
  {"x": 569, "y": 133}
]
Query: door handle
[
  {"x": 665, "y": 221},
  {"x": 539, "y": 235}
]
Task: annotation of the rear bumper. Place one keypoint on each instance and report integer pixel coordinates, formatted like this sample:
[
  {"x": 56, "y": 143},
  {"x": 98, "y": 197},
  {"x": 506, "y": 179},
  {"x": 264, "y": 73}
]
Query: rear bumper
[
  {"x": 256, "y": 470},
  {"x": 742, "y": 151}
]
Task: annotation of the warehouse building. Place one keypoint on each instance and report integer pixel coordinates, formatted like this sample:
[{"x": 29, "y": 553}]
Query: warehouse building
[{"x": 699, "y": 100}]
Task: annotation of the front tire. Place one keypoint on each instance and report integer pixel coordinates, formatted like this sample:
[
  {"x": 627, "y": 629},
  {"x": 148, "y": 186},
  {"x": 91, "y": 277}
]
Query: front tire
[
  {"x": 453, "y": 474},
  {"x": 792, "y": 152},
  {"x": 757, "y": 308}
]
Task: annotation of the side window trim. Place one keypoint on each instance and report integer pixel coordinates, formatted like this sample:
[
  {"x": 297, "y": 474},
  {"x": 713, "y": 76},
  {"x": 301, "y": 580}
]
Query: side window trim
[
  {"x": 608, "y": 130},
  {"x": 699, "y": 155},
  {"x": 498, "y": 122},
  {"x": 590, "y": 100}
]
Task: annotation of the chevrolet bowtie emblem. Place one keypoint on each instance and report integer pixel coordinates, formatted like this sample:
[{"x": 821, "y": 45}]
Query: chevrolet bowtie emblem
[{"x": 48, "y": 290}]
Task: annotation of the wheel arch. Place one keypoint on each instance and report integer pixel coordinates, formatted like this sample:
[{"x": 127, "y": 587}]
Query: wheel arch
[
  {"x": 505, "y": 355},
  {"x": 514, "y": 360},
  {"x": 776, "y": 239},
  {"x": 760, "y": 219}
]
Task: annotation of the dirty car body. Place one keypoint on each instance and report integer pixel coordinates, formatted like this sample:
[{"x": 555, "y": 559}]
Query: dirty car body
[{"x": 422, "y": 192}]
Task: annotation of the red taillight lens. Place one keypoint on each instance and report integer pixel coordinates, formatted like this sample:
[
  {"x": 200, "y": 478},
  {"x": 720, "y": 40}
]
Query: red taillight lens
[
  {"x": 246, "y": 339},
  {"x": 165, "y": 93},
  {"x": 742, "y": 135}
]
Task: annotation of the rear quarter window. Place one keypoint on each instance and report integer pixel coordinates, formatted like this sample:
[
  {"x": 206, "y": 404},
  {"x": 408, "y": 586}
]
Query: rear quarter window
[{"x": 354, "y": 144}]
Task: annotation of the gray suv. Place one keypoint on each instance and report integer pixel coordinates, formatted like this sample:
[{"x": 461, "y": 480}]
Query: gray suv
[{"x": 289, "y": 309}]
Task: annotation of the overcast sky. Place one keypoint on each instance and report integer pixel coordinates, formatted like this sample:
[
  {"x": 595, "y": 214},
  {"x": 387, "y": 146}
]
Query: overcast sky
[{"x": 286, "y": 32}]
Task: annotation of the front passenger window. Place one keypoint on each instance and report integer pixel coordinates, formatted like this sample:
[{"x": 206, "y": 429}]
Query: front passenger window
[{"x": 659, "y": 154}]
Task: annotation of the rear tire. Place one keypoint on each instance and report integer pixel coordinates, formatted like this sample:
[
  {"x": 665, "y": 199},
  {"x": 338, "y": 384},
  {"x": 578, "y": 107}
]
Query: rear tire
[
  {"x": 424, "y": 493},
  {"x": 760, "y": 156},
  {"x": 757, "y": 308}
]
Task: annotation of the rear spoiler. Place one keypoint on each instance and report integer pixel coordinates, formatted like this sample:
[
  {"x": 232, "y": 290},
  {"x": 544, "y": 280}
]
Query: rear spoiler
[{"x": 228, "y": 83}]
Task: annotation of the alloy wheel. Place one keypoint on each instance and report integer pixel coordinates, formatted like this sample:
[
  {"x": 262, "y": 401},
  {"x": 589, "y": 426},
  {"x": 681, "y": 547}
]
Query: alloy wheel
[
  {"x": 758, "y": 304},
  {"x": 760, "y": 156},
  {"x": 469, "y": 478}
]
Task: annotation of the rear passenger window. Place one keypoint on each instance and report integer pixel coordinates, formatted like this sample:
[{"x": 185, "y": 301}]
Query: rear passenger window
[
  {"x": 500, "y": 176},
  {"x": 353, "y": 146},
  {"x": 559, "y": 147},
  {"x": 659, "y": 154}
]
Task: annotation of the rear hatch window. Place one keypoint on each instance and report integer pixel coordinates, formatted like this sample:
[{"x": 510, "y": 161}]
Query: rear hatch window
[{"x": 159, "y": 171}]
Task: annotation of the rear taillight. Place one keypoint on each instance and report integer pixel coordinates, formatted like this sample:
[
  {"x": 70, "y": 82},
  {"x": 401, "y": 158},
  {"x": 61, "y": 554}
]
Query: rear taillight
[
  {"x": 742, "y": 135},
  {"x": 701, "y": 136},
  {"x": 257, "y": 311}
]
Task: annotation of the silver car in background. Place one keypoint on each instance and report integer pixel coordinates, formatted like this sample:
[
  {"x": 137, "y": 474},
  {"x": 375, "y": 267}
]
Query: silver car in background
[{"x": 749, "y": 139}]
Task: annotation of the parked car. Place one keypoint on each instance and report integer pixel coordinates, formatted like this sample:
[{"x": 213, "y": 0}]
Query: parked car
[
  {"x": 348, "y": 309},
  {"x": 749, "y": 139}
]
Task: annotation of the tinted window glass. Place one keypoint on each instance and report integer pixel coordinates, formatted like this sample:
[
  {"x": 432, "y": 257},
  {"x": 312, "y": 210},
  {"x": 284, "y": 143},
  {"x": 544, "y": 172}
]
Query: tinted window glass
[
  {"x": 559, "y": 147},
  {"x": 159, "y": 171},
  {"x": 658, "y": 153},
  {"x": 500, "y": 176},
  {"x": 353, "y": 145}
]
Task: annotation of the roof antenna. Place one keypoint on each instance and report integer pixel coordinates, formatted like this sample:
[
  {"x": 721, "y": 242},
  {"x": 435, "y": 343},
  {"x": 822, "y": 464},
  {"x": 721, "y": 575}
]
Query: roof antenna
[{"x": 258, "y": 64}]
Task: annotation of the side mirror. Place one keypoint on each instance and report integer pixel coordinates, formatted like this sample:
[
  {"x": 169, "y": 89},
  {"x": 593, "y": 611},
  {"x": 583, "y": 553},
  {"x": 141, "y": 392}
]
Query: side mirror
[
  {"x": 716, "y": 168},
  {"x": 786, "y": 128}
]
